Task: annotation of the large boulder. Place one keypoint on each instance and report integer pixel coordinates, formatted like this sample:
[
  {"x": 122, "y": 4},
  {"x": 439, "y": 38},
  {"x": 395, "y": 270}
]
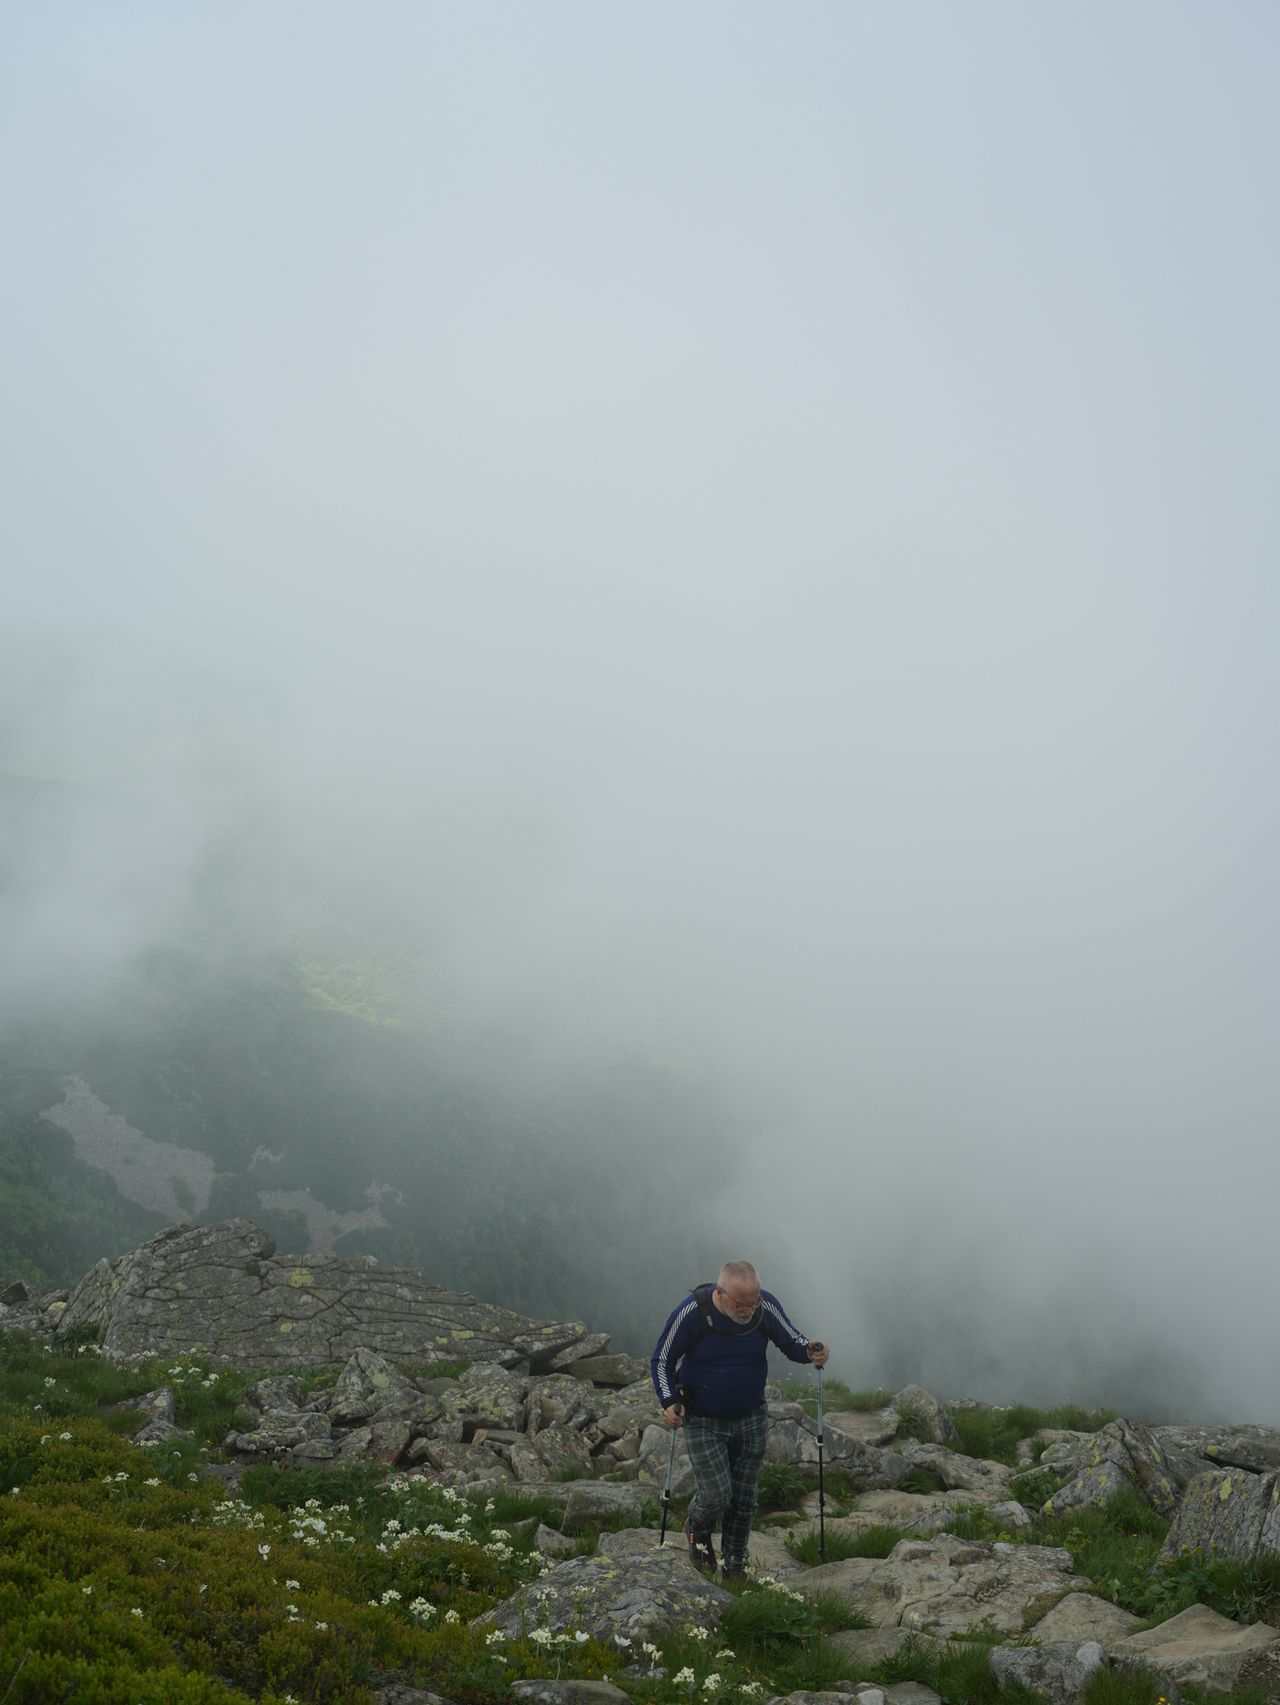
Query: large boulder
[
  {"x": 1231, "y": 1513},
  {"x": 984, "y": 1481},
  {"x": 368, "y": 1386},
  {"x": 559, "y": 1399},
  {"x": 634, "y": 1598},
  {"x": 223, "y": 1290},
  {"x": 577, "y": 1498},
  {"x": 1084, "y": 1616},
  {"x": 1059, "y": 1671},
  {"x": 948, "y": 1585},
  {"x": 557, "y": 1452},
  {"x": 657, "y": 1459},
  {"x": 616, "y": 1370},
  {"x": 922, "y": 1417},
  {"x": 493, "y": 1397},
  {"x": 1201, "y": 1648},
  {"x": 873, "y": 1427}
]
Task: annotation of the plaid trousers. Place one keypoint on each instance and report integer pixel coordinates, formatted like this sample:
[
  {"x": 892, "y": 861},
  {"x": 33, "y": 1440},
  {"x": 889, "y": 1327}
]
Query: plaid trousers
[{"x": 726, "y": 1456}]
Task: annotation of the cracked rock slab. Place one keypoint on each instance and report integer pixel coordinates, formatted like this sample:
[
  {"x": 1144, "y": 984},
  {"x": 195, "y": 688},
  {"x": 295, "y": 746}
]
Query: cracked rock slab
[
  {"x": 948, "y": 1585},
  {"x": 224, "y": 1291},
  {"x": 1201, "y": 1648}
]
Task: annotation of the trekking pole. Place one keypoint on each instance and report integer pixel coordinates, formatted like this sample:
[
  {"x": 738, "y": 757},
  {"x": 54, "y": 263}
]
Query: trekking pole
[
  {"x": 822, "y": 1495},
  {"x": 666, "y": 1490}
]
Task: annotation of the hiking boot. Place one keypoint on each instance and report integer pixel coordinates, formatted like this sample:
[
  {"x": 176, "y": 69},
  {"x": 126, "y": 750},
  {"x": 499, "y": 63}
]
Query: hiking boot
[
  {"x": 702, "y": 1553},
  {"x": 732, "y": 1571}
]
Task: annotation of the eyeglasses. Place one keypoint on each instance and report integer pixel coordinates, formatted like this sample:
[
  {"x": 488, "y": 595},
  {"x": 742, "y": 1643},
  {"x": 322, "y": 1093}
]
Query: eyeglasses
[{"x": 738, "y": 1305}]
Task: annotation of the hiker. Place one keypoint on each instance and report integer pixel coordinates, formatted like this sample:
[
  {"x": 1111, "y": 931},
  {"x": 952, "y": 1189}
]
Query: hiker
[{"x": 722, "y": 1332}]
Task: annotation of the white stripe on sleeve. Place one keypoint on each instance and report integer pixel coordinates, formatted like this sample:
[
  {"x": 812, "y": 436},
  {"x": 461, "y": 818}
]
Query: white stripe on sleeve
[
  {"x": 664, "y": 1383},
  {"x": 799, "y": 1338}
]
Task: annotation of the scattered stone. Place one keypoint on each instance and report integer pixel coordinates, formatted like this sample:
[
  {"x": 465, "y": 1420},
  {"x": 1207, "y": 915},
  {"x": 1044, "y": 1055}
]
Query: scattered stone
[
  {"x": 282, "y": 1431},
  {"x": 1011, "y": 1514}
]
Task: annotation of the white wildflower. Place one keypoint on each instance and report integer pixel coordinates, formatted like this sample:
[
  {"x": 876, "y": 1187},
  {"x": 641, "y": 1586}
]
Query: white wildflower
[{"x": 683, "y": 1675}]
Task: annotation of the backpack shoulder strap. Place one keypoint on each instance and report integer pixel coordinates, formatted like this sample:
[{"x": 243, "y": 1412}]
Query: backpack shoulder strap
[{"x": 706, "y": 1322}]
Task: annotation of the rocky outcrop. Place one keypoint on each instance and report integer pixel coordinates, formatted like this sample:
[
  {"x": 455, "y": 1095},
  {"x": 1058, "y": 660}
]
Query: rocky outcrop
[
  {"x": 224, "y": 1291},
  {"x": 1125, "y": 1455},
  {"x": 1231, "y": 1513}
]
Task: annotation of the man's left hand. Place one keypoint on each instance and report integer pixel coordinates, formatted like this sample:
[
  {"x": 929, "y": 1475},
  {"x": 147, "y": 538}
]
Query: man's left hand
[{"x": 818, "y": 1354}]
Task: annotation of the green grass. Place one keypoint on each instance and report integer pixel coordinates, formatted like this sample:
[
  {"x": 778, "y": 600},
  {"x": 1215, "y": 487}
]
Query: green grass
[
  {"x": 922, "y": 1481},
  {"x": 873, "y": 1542},
  {"x": 1141, "y": 1686},
  {"x": 957, "y": 1669},
  {"x": 1244, "y": 1591},
  {"x": 780, "y": 1486},
  {"x": 1115, "y": 1544},
  {"x": 994, "y": 1434},
  {"x": 836, "y": 1396}
]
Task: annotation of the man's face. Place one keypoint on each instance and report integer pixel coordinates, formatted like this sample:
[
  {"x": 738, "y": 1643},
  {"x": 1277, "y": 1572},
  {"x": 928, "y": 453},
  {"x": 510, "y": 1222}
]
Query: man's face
[{"x": 738, "y": 1301}]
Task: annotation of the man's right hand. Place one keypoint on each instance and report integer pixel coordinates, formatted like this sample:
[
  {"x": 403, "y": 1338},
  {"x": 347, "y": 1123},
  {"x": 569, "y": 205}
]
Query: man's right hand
[{"x": 673, "y": 1417}]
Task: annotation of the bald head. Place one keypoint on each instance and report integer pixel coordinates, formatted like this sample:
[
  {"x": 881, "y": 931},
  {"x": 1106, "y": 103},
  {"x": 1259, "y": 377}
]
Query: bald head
[{"x": 738, "y": 1290}]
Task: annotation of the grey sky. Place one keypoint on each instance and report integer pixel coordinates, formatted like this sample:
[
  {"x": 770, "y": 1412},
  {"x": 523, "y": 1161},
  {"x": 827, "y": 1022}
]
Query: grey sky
[{"x": 751, "y": 526}]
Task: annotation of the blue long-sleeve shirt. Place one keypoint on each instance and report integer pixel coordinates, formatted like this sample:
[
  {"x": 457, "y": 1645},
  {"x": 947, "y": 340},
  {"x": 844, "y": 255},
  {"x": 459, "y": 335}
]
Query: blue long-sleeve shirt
[{"x": 724, "y": 1372}]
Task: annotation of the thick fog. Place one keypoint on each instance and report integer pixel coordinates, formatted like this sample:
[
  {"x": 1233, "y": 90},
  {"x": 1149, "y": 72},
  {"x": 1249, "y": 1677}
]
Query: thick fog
[{"x": 744, "y": 533}]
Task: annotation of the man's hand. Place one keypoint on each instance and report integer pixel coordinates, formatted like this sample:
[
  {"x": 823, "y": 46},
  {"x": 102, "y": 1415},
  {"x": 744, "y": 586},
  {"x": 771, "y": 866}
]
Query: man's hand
[
  {"x": 818, "y": 1354},
  {"x": 673, "y": 1417}
]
